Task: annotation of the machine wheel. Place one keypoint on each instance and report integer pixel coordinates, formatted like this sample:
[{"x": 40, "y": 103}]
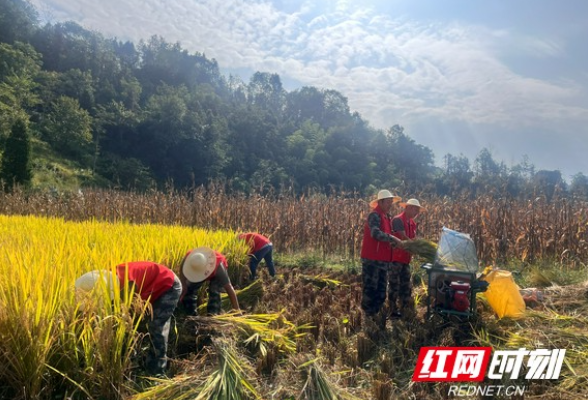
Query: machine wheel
[{"x": 436, "y": 321}]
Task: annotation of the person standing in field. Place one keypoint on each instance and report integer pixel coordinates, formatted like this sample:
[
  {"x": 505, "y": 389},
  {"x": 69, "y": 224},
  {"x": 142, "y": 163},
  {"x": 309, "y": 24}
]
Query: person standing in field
[
  {"x": 152, "y": 282},
  {"x": 202, "y": 265},
  {"x": 376, "y": 253},
  {"x": 260, "y": 248},
  {"x": 399, "y": 279}
]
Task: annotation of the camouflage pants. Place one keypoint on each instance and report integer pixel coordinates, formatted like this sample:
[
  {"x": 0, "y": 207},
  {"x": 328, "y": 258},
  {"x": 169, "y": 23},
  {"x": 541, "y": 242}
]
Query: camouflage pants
[
  {"x": 190, "y": 300},
  {"x": 399, "y": 287},
  {"x": 159, "y": 327},
  {"x": 373, "y": 275}
]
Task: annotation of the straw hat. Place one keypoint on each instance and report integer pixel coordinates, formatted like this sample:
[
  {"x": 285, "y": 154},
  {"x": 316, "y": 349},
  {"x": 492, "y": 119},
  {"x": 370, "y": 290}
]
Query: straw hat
[
  {"x": 384, "y": 194},
  {"x": 412, "y": 202},
  {"x": 90, "y": 280},
  {"x": 199, "y": 264}
]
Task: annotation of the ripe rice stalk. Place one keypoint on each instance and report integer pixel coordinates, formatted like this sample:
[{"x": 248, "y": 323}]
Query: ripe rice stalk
[
  {"x": 423, "y": 248},
  {"x": 106, "y": 344},
  {"x": 248, "y": 297},
  {"x": 483, "y": 337},
  {"x": 230, "y": 380},
  {"x": 88, "y": 340},
  {"x": 383, "y": 389},
  {"x": 557, "y": 331},
  {"x": 264, "y": 328},
  {"x": 538, "y": 278},
  {"x": 321, "y": 281},
  {"x": 183, "y": 387},
  {"x": 318, "y": 386}
]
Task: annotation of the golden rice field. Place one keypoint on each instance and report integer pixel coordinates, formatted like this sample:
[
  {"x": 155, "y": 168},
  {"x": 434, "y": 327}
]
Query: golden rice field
[{"x": 48, "y": 341}]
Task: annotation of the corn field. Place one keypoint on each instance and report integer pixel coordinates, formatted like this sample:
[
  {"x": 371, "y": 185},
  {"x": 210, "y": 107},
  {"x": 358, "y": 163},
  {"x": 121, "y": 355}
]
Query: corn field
[{"x": 503, "y": 230}]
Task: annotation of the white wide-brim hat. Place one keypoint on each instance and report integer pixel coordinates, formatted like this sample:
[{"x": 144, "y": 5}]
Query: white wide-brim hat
[
  {"x": 385, "y": 194},
  {"x": 96, "y": 279},
  {"x": 412, "y": 202},
  {"x": 200, "y": 264}
]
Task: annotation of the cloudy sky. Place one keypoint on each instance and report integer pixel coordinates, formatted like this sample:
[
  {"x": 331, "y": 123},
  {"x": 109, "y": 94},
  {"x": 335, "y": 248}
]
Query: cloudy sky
[{"x": 459, "y": 75}]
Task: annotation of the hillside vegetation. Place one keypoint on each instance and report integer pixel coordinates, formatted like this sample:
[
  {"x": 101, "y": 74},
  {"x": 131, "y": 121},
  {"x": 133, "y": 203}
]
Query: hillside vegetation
[{"x": 150, "y": 114}]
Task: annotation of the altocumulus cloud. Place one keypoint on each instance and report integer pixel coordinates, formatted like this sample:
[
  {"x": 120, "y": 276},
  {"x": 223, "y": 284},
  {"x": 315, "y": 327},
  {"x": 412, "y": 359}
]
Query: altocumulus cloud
[{"x": 393, "y": 70}]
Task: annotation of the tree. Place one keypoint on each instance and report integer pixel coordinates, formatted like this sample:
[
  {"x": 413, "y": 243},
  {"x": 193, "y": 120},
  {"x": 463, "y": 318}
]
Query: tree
[
  {"x": 525, "y": 168},
  {"x": 77, "y": 85},
  {"x": 15, "y": 168},
  {"x": 169, "y": 63},
  {"x": 457, "y": 175},
  {"x": 68, "y": 128},
  {"x": 237, "y": 89},
  {"x": 350, "y": 162},
  {"x": 299, "y": 151},
  {"x": 328, "y": 108},
  {"x": 520, "y": 177},
  {"x": 19, "y": 66},
  {"x": 487, "y": 172},
  {"x": 579, "y": 185},
  {"x": 547, "y": 182},
  {"x": 252, "y": 136},
  {"x": 126, "y": 172},
  {"x": 18, "y": 20},
  {"x": 413, "y": 162},
  {"x": 385, "y": 172},
  {"x": 265, "y": 90}
]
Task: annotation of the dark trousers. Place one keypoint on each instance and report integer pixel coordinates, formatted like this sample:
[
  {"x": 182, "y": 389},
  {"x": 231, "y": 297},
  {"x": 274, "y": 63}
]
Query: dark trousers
[
  {"x": 374, "y": 279},
  {"x": 265, "y": 253},
  {"x": 399, "y": 287},
  {"x": 159, "y": 326},
  {"x": 190, "y": 300}
]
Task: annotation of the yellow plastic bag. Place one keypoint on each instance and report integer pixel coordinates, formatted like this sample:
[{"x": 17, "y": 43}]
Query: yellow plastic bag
[{"x": 503, "y": 294}]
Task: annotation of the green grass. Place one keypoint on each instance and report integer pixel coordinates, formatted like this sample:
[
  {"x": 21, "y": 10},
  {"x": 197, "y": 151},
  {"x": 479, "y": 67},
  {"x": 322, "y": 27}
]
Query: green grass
[
  {"x": 546, "y": 273},
  {"x": 299, "y": 259},
  {"x": 52, "y": 171},
  {"x": 315, "y": 260}
]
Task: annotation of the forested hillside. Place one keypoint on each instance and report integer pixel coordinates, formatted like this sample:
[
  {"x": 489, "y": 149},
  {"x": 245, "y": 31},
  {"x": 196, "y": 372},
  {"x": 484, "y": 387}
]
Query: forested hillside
[{"x": 101, "y": 112}]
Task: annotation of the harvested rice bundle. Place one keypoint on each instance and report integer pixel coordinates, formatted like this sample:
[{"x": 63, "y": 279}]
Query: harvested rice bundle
[
  {"x": 232, "y": 379},
  {"x": 319, "y": 386},
  {"x": 321, "y": 281},
  {"x": 423, "y": 248},
  {"x": 248, "y": 296},
  {"x": 258, "y": 329}
]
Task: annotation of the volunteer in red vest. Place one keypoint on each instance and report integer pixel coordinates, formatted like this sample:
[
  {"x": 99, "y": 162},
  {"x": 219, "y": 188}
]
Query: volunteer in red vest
[
  {"x": 399, "y": 279},
  {"x": 376, "y": 253},
  {"x": 260, "y": 248},
  {"x": 202, "y": 265},
  {"x": 152, "y": 282}
]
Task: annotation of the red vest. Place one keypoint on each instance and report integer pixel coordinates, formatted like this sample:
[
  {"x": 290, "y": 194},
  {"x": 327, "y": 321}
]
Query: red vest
[
  {"x": 150, "y": 279},
  {"x": 400, "y": 255},
  {"x": 255, "y": 241},
  {"x": 372, "y": 249},
  {"x": 220, "y": 259}
]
